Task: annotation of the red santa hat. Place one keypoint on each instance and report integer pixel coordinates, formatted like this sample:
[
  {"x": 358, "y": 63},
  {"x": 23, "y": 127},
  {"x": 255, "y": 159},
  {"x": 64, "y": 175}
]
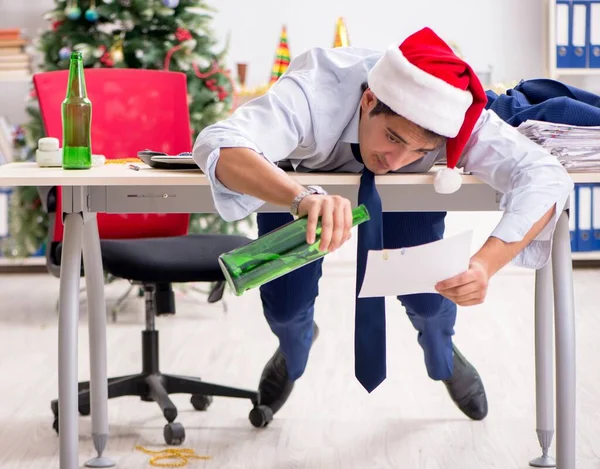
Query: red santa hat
[{"x": 425, "y": 82}]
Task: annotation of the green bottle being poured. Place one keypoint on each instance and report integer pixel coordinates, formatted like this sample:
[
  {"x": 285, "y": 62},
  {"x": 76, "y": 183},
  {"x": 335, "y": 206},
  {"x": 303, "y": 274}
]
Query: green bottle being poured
[
  {"x": 77, "y": 119},
  {"x": 275, "y": 254}
]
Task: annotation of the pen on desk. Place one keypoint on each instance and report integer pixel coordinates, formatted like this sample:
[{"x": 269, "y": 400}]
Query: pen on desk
[{"x": 135, "y": 167}]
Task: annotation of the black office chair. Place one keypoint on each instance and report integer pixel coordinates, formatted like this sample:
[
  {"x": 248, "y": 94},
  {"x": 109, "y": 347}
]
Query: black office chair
[
  {"x": 152, "y": 252},
  {"x": 154, "y": 265}
]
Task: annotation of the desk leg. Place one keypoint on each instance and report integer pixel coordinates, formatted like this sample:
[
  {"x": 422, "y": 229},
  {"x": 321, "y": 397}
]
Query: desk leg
[
  {"x": 564, "y": 328},
  {"x": 544, "y": 379},
  {"x": 68, "y": 424},
  {"x": 94, "y": 279}
]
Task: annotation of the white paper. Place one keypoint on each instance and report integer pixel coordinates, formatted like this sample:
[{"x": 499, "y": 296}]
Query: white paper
[{"x": 393, "y": 272}]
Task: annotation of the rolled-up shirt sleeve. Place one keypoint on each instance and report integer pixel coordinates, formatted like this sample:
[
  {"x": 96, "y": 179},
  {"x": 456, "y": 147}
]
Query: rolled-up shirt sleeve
[
  {"x": 273, "y": 125},
  {"x": 530, "y": 179}
]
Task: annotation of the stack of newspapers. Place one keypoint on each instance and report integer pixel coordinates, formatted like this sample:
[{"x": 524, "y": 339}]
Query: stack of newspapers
[{"x": 577, "y": 148}]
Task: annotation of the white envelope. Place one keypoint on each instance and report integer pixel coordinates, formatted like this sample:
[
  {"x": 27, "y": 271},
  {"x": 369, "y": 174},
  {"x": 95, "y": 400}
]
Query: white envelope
[{"x": 393, "y": 272}]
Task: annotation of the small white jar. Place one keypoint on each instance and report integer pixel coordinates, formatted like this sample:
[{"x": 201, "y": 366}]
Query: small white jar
[{"x": 48, "y": 152}]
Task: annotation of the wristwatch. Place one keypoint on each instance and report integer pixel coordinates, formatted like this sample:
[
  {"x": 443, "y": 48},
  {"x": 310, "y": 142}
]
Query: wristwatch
[{"x": 310, "y": 190}]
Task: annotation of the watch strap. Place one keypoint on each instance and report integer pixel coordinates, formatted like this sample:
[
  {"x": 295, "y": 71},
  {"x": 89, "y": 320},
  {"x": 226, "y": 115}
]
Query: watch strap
[
  {"x": 296, "y": 202},
  {"x": 309, "y": 191}
]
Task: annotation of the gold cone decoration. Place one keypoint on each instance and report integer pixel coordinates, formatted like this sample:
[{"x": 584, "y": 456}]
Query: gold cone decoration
[
  {"x": 341, "y": 34},
  {"x": 282, "y": 59}
]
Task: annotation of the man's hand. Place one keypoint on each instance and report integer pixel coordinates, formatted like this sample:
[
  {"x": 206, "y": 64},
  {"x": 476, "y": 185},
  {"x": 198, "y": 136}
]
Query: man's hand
[
  {"x": 468, "y": 288},
  {"x": 336, "y": 219}
]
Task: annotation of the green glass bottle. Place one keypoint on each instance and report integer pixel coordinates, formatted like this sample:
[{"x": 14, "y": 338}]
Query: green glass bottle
[
  {"x": 77, "y": 119},
  {"x": 275, "y": 254}
]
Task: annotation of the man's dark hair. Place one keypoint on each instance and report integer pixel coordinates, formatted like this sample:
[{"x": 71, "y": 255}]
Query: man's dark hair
[{"x": 382, "y": 108}]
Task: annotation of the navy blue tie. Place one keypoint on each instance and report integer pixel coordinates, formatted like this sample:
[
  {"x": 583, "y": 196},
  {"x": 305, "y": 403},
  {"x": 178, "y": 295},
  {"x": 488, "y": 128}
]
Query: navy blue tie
[{"x": 369, "y": 326}]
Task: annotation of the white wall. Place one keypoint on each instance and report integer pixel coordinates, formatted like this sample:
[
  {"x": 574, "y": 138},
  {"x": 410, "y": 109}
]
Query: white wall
[
  {"x": 254, "y": 27},
  {"x": 483, "y": 36},
  {"x": 26, "y": 14}
]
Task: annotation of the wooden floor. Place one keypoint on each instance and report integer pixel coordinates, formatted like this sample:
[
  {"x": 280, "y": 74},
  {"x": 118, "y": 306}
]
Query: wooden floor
[{"x": 329, "y": 422}]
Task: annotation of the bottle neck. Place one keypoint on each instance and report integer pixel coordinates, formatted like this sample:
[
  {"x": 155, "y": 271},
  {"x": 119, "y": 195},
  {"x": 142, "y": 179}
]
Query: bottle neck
[{"x": 76, "y": 85}]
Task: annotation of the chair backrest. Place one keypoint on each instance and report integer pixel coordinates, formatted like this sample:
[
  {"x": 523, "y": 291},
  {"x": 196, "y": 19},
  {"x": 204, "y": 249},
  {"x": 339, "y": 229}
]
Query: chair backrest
[{"x": 132, "y": 110}]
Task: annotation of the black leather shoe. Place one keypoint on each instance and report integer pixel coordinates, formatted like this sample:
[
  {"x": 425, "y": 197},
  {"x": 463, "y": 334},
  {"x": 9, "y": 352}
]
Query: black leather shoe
[
  {"x": 466, "y": 388},
  {"x": 275, "y": 388}
]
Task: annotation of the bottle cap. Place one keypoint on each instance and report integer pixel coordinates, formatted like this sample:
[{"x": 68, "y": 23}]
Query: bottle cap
[
  {"x": 48, "y": 144},
  {"x": 98, "y": 160}
]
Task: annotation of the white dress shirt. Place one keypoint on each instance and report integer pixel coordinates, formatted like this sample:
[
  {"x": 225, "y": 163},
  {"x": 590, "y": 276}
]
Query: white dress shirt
[{"x": 311, "y": 115}]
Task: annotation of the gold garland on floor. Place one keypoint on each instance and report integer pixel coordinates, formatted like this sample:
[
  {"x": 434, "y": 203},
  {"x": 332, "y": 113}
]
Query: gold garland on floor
[{"x": 180, "y": 456}]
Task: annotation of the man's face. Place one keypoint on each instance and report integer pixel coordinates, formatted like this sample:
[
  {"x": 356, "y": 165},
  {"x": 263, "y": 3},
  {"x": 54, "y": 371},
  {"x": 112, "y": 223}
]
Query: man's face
[{"x": 388, "y": 143}]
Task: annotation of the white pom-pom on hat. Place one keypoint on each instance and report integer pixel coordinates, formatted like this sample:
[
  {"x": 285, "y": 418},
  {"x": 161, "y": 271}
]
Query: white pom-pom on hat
[{"x": 447, "y": 181}]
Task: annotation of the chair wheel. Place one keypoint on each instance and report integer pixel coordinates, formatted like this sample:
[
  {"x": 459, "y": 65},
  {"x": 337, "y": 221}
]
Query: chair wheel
[
  {"x": 55, "y": 424},
  {"x": 174, "y": 433},
  {"x": 200, "y": 401},
  {"x": 261, "y": 416}
]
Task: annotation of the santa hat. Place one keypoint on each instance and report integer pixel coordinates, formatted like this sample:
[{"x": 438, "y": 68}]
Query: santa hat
[{"x": 426, "y": 83}]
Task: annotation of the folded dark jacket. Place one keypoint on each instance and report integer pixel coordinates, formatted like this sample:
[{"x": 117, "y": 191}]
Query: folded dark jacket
[{"x": 546, "y": 100}]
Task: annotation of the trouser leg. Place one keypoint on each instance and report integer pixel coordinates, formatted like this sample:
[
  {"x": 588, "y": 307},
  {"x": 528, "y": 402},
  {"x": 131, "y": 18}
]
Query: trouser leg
[
  {"x": 432, "y": 315},
  {"x": 288, "y": 303}
]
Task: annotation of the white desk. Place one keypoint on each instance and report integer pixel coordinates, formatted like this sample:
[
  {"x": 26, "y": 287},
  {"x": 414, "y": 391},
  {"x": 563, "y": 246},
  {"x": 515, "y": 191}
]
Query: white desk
[{"x": 118, "y": 189}]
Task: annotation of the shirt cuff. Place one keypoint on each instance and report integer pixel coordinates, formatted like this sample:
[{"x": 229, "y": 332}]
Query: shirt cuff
[
  {"x": 231, "y": 205},
  {"x": 513, "y": 228}
]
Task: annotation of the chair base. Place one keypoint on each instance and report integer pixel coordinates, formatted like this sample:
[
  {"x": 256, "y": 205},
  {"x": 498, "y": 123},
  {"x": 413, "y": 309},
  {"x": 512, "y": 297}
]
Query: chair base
[
  {"x": 152, "y": 385},
  {"x": 157, "y": 387}
]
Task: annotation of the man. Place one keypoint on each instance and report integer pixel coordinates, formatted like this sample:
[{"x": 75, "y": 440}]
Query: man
[{"x": 355, "y": 110}]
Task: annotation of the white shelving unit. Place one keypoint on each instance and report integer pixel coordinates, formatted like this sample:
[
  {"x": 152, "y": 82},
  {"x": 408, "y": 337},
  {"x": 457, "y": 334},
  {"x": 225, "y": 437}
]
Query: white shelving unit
[
  {"x": 566, "y": 75},
  {"x": 15, "y": 89},
  {"x": 15, "y": 79},
  {"x": 29, "y": 264},
  {"x": 552, "y": 71}
]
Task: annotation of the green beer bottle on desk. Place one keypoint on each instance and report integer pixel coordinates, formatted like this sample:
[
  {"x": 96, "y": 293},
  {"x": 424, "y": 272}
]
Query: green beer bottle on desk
[
  {"x": 77, "y": 119},
  {"x": 275, "y": 254}
]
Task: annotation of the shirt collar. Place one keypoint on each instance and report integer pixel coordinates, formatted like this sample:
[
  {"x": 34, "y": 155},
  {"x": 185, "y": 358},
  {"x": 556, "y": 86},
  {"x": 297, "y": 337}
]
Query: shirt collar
[{"x": 350, "y": 133}]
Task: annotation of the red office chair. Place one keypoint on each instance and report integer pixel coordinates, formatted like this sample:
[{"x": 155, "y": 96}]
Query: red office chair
[
  {"x": 132, "y": 110},
  {"x": 124, "y": 105}
]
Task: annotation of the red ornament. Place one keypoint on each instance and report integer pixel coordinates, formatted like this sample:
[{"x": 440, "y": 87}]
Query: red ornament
[
  {"x": 56, "y": 25},
  {"x": 223, "y": 94},
  {"x": 183, "y": 34},
  {"x": 107, "y": 60}
]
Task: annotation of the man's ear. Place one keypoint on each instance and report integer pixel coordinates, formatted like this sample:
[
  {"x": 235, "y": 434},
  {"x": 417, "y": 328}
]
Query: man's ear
[{"x": 368, "y": 100}]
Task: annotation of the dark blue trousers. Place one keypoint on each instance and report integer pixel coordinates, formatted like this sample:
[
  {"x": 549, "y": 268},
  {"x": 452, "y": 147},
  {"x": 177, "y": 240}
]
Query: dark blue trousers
[{"x": 288, "y": 301}]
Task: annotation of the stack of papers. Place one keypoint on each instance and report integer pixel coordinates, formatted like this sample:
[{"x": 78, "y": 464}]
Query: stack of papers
[{"x": 576, "y": 147}]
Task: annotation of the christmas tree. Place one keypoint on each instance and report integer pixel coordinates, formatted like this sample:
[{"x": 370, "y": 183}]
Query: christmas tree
[{"x": 152, "y": 34}]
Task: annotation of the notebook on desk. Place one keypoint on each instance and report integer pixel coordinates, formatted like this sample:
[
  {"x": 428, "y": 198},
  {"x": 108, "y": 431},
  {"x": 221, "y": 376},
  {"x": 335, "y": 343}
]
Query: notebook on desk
[
  {"x": 159, "y": 160},
  {"x": 174, "y": 159}
]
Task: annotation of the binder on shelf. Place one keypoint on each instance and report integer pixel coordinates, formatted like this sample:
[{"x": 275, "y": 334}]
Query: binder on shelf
[
  {"x": 563, "y": 33},
  {"x": 573, "y": 220},
  {"x": 584, "y": 217},
  {"x": 596, "y": 217},
  {"x": 594, "y": 33},
  {"x": 579, "y": 34}
]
